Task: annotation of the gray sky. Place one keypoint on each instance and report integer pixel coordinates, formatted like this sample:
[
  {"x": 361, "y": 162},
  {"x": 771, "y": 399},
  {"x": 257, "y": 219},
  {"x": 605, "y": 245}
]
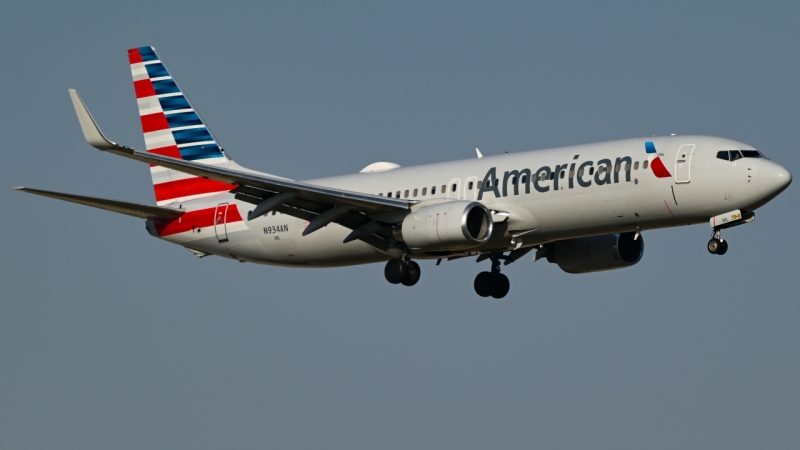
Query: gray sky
[{"x": 112, "y": 339}]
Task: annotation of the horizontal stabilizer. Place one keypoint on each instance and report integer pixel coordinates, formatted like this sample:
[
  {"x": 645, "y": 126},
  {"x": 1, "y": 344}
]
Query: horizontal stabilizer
[{"x": 128, "y": 208}]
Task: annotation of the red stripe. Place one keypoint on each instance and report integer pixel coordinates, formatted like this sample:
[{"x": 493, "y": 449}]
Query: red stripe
[
  {"x": 154, "y": 122},
  {"x": 659, "y": 169},
  {"x": 144, "y": 88},
  {"x": 189, "y": 186},
  {"x": 195, "y": 219},
  {"x": 171, "y": 151},
  {"x": 134, "y": 56}
]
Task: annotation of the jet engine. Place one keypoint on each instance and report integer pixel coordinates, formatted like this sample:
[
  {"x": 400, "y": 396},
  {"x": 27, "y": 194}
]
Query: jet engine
[
  {"x": 593, "y": 254},
  {"x": 455, "y": 225}
]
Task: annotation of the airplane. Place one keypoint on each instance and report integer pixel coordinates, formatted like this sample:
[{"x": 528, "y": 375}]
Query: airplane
[{"x": 582, "y": 207}]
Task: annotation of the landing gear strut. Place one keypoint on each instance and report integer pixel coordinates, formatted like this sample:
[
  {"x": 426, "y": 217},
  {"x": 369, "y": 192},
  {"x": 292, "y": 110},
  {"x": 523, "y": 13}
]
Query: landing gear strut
[
  {"x": 402, "y": 271},
  {"x": 716, "y": 246},
  {"x": 493, "y": 283}
]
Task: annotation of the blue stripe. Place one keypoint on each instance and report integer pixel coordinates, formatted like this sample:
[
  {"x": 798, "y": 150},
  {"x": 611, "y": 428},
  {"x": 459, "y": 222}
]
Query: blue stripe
[
  {"x": 156, "y": 70},
  {"x": 200, "y": 152},
  {"x": 147, "y": 54},
  {"x": 649, "y": 147},
  {"x": 183, "y": 119},
  {"x": 165, "y": 87},
  {"x": 174, "y": 103},
  {"x": 191, "y": 135}
]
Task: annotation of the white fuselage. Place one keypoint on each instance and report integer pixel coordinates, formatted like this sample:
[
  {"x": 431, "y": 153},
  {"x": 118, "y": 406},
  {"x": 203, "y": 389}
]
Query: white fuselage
[{"x": 580, "y": 200}]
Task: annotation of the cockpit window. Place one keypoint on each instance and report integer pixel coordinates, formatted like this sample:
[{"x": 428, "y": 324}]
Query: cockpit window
[
  {"x": 733, "y": 155},
  {"x": 751, "y": 154}
]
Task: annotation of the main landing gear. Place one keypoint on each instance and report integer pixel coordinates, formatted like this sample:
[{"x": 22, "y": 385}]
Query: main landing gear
[
  {"x": 402, "y": 271},
  {"x": 716, "y": 246},
  {"x": 493, "y": 283}
]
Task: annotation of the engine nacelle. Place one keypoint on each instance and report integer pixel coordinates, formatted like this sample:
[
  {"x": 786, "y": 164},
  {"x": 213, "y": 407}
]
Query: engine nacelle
[
  {"x": 593, "y": 254},
  {"x": 456, "y": 225}
]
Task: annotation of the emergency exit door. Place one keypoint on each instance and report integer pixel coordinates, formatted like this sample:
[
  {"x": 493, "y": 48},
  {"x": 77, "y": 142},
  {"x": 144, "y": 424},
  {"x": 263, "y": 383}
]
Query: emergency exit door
[
  {"x": 454, "y": 189},
  {"x": 220, "y": 217},
  {"x": 683, "y": 162}
]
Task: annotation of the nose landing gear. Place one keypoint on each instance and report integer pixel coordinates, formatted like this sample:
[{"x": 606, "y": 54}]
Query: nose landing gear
[
  {"x": 717, "y": 246},
  {"x": 493, "y": 283},
  {"x": 402, "y": 271}
]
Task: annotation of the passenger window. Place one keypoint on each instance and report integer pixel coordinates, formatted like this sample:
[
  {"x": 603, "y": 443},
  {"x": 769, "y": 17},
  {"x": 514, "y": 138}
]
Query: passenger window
[
  {"x": 580, "y": 172},
  {"x": 563, "y": 172},
  {"x": 469, "y": 186},
  {"x": 723, "y": 155},
  {"x": 572, "y": 173},
  {"x": 389, "y": 194},
  {"x": 415, "y": 193},
  {"x": 735, "y": 155},
  {"x": 644, "y": 165},
  {"x": 405, "y": 194},
  {"x": 751, "y": 154},
  {"x": 424, "y": 191},
  {"x": 636, "y": 165},
  {"x": 524, "y": 179},
  {"x": 627, "y": 167},
  {"x": 496, "y": 182},
  {"x": 381, "y": 194},
  {"x": 397, "y": 194},
  {"x": 454, "y": 187},
  {"x": 552, "y": 175},
  {"x": 513, "y": 180},
  {"x": 617, "y": 167},
  {"x": 591, "y": 171},
  {"x": 444, "y": 188},
  {"x": 433, "y": 190}
]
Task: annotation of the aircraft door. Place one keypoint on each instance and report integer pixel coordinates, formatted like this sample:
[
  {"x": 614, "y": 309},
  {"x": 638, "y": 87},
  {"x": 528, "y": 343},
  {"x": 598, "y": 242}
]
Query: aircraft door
[
  {"x": 471, "y": 188},
  {"x": 454, "y": 189},
  {"x": 683, "y": 162},
  {"x": 220, "y": 217}
]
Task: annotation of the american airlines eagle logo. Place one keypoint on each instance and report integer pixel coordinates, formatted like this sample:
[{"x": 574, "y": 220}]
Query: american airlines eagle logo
[{"x": 656, "y": 164}]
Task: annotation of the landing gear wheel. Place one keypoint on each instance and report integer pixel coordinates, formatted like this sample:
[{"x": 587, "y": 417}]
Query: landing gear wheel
[
  {"x": 714, "y": 246},
  {"x": 484, "y": 283},
  {"x": 724, "y": 248},
  {"x": 396, "y": 271},
  {"x": 412, "y": 274},
  {"x": 500, "y": 285}
]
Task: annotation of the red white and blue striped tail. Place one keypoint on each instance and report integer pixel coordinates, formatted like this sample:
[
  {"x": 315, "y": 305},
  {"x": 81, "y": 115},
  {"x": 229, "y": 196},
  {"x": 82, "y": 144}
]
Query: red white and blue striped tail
[{"x": 172, "y": 127}]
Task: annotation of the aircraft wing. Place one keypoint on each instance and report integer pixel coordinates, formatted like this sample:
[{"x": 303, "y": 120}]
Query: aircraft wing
[
  {"x": 131, "y": 209},
  {"x": 367, "y": 215}
]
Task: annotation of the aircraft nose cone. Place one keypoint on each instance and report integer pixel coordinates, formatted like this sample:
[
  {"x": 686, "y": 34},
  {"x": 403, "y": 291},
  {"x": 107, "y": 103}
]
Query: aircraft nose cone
[{"x": 772, "y": 178}]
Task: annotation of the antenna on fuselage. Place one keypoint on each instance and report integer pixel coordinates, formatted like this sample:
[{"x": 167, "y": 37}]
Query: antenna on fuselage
[{"x": 478, "y": 151}]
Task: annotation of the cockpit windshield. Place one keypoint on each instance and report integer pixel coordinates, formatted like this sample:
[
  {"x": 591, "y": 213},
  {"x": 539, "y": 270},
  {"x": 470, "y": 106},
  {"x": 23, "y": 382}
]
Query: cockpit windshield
[
  {"x": 733, "y": 155},
  {"x": 752, "y": 154}
]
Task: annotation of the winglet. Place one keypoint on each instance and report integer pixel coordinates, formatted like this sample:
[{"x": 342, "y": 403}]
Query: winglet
[
  {"x": 478, "y": 151},
  {"x": 91, "y": 131}
]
